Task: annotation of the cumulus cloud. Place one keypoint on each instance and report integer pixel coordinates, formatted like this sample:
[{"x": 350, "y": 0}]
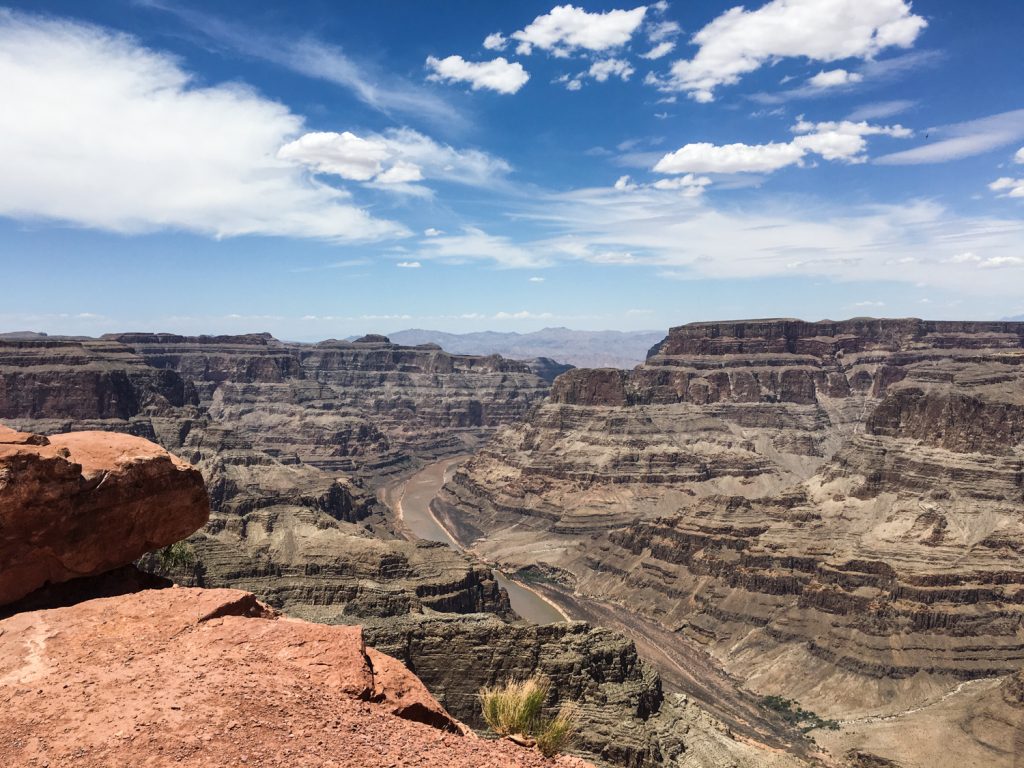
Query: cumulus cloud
[
  {"x": 408, "y": 265},
  {"x": 661, "y": 49},
  {"x": 739, "y": 41},
  {"x": 566, "y": 29},
  {"x": 432, "y": 232},
  {"x": 605, "y": 68},
  {"x": 536, "y": 279},
  {"x": 689, "y": 184},
  {"x": 1019, "y": 157},
  {"x": 102, "y": 132},
  {"x": 495, "y": 42},
  {"x": 496, "y": 75},
  {"x": 842, "y": 140},
  {"x": 397, "y": 156},
  {"x": 1008, "y": 187},
  {"x": 834, "y": 78},
  {"x": 966, "y": 139}
]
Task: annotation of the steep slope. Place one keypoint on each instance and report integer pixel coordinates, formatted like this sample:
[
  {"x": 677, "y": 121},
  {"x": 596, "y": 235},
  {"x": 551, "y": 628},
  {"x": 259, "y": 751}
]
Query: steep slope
[{"x": 835, "y": 511}]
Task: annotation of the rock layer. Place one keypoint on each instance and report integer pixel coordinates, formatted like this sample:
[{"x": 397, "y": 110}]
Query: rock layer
[
  {"x": 812, "y": 502},
  {"x": 214, "y": 678},
  {"x": 624, "y": 716},
  {"x": 83, "y": 503},
  {"x": 287, "y": 436}
]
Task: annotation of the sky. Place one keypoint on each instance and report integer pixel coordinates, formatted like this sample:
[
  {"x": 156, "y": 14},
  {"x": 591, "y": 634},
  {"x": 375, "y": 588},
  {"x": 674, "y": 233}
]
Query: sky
[{"x": 318, "y": 169}]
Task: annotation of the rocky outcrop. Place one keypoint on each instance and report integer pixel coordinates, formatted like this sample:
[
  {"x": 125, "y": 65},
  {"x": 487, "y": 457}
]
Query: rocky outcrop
[
  {"x": 83, "y": 503},
  {"x": 813, "y": 503},
  {"x": 290, "y": 438},
  {"x": 625, "y": 718},
  {"x": 214, "y": 678}
]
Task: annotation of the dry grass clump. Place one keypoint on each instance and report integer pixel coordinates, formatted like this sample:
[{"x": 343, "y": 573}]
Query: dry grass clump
[
  {"x": 557, "y": 734},
  {"x": 514, "y": 709}
]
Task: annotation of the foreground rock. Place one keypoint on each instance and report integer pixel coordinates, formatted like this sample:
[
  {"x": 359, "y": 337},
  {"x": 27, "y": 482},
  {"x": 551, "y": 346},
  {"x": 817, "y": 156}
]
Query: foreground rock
[
  {"x": 214, "y": 678},
  {"x": 835, "y": 511},
  {"x": 84, "y": 503}
]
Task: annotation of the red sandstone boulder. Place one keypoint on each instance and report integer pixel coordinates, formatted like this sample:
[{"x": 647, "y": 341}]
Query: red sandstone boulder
[
  {"x": 214, "y": 678},
  {"x": 84, "y": 503}
]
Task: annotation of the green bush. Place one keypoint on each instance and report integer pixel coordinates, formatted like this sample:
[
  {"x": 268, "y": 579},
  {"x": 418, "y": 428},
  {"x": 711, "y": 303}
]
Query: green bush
[{"x": 177, "y": 556}]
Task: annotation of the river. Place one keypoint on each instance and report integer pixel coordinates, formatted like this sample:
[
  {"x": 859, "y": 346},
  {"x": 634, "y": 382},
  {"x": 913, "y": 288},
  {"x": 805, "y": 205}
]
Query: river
[{"x": 411, "y": 501}]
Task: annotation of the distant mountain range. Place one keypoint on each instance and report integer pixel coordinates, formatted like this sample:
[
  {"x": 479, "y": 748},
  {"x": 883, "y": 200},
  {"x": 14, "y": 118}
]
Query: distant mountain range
[{"x": 584, "y": 349}]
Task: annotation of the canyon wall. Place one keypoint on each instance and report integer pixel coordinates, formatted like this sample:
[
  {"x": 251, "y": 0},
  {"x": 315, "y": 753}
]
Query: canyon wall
[
  {"x": 291, "y": 439},
  {"x": 833, "y": 510}
]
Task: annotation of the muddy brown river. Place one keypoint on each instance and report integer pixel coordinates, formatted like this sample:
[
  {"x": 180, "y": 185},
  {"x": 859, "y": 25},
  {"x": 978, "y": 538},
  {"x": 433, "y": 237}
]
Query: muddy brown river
[{"x": 411, "y": 501}]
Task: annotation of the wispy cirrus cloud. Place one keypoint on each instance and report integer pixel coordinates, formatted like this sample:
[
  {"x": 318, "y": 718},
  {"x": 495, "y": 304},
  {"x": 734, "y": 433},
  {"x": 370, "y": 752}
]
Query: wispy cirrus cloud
[
  {"x": 381, "y": 90},
  {"x": 966, "y": 139}
]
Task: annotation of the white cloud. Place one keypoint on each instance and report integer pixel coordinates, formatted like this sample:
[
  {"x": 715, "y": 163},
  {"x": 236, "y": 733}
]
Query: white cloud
[
  {"x": 843, "y": 140},
  {"x": 661, "y": 49},
  {"x": 911, "y": 243},
  {"x": 496, "y": 75},
  {"x": 409, "y": 265},
  {"x": 571, "y": 83},
  {"x": 536, "y": 279},
  {"x": 343, "y": 154},
  {"x": 834, "y": 78},
  {"x": 739, "y": 41},
  {"x": 1019, "y": 157},
  {"x": 523, "y": 315},
  {"x": 432, "y": 232},
  {"x": 967, "y": 139},
  {"x": 566, "y": 28},
  {"x": 1008, "y": 186},
  {"x": 703, "y": 157},
  {"x": 400, "y": 173},
  {"x": 395, "y": 157},
  {"x": 880, "y": 109},
  {"x": 101, "y": 132},
  {"x": 869, "y": 304},
  {"x": 476, "y": 245},
  {"x": 495, "y": 41},
  {"x": 605, "y": 68}
]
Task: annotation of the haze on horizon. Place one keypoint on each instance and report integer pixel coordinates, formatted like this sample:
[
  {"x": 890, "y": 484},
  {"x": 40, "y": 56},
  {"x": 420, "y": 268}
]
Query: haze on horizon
[{"x": 318, "y": 171}]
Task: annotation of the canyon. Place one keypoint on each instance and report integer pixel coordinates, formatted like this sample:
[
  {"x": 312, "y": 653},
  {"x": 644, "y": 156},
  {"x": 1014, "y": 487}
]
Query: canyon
[
  {"x": 833, "y": 511},
  {"x": 827, "y": 512}
]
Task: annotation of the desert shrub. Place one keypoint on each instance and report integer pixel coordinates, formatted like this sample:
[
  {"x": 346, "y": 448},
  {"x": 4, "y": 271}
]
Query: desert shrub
[
  {"x": 557, "y": 734},
  {"x": 515, "y": 706},
  {"x": 515, "y": 709}
]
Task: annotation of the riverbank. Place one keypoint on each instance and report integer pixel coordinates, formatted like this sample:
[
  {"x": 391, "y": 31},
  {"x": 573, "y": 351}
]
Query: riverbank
[{"x": 410, "y": 499}]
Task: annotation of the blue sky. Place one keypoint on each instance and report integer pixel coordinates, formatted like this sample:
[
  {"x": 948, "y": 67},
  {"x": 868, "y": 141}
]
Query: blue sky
[{"x": 318, "y": 169}]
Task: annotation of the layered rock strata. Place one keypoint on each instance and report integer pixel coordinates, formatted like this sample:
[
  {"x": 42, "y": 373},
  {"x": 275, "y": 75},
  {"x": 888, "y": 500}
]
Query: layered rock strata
[
  {"x": 811, "y": 502},
  {"x": 288, "y": 437},
  {"x": 83, "y": 503},
  {"x": 624, "y": 716}
]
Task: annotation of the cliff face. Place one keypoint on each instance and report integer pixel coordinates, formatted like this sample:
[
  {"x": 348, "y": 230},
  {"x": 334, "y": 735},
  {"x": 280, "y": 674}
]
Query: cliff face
[
  {"x": 808, "y": 501},
  {"x": 287, "y": 437},
  {"x": 625, "y": 718}
]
